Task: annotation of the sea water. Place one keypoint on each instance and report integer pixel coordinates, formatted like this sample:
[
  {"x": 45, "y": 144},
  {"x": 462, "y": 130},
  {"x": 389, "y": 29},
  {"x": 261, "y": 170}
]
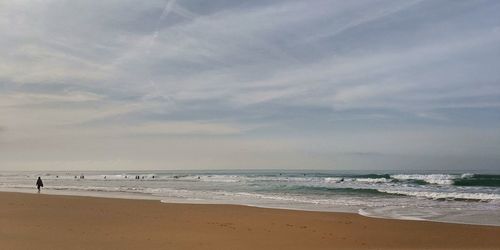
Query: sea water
[{"x": 461, "y": 197}]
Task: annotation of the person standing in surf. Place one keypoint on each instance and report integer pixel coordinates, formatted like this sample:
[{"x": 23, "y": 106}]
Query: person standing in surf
[{"x": 39, "y": 184}]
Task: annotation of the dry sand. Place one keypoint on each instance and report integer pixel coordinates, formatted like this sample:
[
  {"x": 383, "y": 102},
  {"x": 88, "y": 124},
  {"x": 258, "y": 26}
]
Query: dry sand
[{"x": 37, "y": 221}]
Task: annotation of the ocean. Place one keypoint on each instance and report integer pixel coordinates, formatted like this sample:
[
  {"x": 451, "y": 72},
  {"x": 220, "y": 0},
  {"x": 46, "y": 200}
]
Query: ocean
[{"x": 460, "y": 197}]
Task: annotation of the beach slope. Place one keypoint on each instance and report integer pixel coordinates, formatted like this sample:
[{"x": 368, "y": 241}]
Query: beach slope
[{"x": 38, "y": 221}]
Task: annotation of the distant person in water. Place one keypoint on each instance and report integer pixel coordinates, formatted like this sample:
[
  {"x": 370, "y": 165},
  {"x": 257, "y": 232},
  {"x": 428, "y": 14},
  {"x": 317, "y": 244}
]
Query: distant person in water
[{"x": 39, "y": 184}]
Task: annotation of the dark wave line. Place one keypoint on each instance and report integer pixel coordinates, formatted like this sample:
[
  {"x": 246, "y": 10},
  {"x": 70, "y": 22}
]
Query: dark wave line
[{"x": 479, "y": 180}]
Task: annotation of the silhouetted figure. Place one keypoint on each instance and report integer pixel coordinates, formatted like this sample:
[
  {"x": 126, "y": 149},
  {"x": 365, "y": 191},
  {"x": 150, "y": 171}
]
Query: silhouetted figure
[{"x": 39, "y": 184}]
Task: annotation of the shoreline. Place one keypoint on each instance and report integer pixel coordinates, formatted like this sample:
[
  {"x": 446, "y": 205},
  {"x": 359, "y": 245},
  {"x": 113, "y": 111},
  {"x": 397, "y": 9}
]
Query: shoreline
[
  {"x": 132, "y": 196},
  {"x": 77, "y": 222}
]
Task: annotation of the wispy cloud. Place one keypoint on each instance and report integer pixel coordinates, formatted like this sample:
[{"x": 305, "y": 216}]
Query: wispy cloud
[{"x": 283, "y": 71}]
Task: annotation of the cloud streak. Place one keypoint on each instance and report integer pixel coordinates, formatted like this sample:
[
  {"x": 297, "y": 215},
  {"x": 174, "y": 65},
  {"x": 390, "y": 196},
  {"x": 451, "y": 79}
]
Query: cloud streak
[{"x": 275, "y": 71}]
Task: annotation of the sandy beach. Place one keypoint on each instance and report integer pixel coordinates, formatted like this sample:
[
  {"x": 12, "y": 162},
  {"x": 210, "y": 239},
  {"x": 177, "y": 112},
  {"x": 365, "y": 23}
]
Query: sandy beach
[{"x": 38, "y": 221}]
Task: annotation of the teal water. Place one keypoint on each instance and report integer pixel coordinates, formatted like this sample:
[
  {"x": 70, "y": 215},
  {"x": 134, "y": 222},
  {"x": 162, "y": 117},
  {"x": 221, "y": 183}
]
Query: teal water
[{"x": 462, "y": 197}]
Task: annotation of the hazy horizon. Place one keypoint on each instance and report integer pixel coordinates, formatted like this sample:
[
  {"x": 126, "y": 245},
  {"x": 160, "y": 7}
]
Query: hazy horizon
[{"x": 177, "y": 85}]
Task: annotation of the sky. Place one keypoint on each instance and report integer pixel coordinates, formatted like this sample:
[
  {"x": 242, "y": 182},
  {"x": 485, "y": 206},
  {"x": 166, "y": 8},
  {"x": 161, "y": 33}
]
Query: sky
[{"x": 225, "y": 84}]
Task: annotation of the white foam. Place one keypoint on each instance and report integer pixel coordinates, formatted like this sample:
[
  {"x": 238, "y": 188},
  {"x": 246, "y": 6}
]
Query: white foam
[
  {"x": 373, "y": 180},
  {"x": 333, "y": 179},
  {"x": 467, "y": 175},
  {"x": 285, "y": 191},
  {"x": 440, "y": 179},
  {"x": 221, "y": 178},
  {"x": 388, "y": 212},
  {"x": 445, "y": 195}
]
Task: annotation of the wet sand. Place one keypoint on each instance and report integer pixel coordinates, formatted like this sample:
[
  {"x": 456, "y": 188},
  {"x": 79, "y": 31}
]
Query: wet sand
[{"x": 38, "y": 221}]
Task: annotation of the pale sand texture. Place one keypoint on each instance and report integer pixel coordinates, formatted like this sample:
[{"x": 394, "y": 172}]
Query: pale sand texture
[{"x": 31, "y": 221}]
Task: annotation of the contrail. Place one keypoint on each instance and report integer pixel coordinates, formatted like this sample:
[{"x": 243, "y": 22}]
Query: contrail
[
  {"x": 170, "y": 7},
  {"x": 166, "y": 11}
]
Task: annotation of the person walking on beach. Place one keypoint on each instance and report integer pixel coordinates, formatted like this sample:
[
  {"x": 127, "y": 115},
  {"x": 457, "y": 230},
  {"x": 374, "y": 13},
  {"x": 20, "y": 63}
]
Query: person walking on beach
[{"x": 39, "y": 184}]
